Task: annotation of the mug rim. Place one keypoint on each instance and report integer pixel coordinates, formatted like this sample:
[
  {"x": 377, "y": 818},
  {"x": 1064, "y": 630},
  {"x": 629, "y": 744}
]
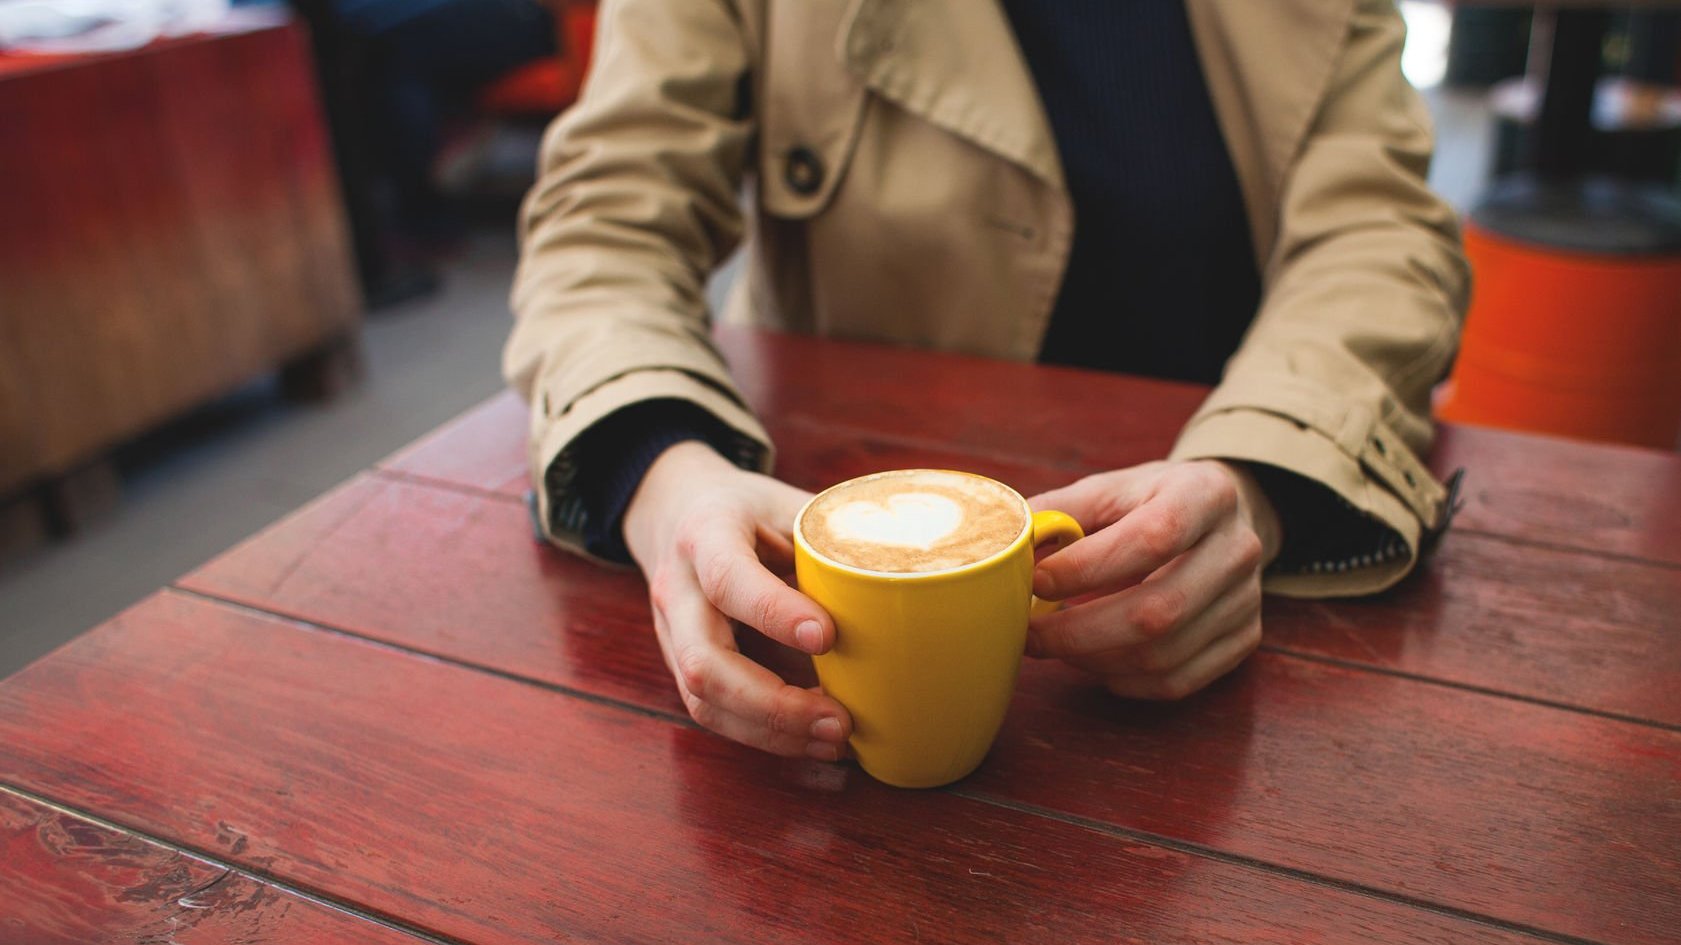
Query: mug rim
[{"x": 1025, "y": 535}]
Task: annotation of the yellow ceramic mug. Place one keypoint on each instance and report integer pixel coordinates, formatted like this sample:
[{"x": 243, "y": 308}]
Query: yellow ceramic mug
[{"x": 926, "y": 662}]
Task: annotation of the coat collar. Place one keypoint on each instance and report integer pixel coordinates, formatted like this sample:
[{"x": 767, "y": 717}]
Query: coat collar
[{"x": 956, "y": 64}]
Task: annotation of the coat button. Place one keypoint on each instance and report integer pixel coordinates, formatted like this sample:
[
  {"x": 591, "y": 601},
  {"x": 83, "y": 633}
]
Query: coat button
[{"x": 804, "y": 171}]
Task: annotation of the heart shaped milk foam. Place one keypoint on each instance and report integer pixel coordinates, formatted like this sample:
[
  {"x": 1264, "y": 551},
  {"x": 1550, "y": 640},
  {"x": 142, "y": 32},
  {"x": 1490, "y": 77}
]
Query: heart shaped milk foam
[{"x": 906, "y": 520}]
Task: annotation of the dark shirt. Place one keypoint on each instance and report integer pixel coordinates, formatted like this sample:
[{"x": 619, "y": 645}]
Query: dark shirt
[{"x": 1161, "y": 280}]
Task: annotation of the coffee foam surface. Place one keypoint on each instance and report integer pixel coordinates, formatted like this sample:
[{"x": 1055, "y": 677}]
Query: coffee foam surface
[{"x": 913, "y": 521}]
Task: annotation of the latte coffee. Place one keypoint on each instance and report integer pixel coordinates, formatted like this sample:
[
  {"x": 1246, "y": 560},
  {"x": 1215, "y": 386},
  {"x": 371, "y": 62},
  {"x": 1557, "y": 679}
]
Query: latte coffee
[{"x": 913, "y": 521}]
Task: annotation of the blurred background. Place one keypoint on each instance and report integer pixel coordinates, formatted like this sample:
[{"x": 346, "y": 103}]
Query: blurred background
[{"x": 249, "y": 248}]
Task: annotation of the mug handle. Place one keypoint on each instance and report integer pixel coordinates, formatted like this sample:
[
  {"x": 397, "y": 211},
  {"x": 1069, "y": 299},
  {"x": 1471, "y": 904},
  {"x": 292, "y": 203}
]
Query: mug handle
[{"x": 1059, "y": 527}]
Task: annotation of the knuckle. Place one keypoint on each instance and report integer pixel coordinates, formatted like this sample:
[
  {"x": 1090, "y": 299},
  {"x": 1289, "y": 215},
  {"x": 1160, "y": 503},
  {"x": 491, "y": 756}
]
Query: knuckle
[
  {"x": 782, "y": 714},
  {"x": 1159, "y": 612},
  {"x": 1158, "y": 535},
  {"x": 693, "y": 670},
  {"x": 1051, "y": 640},
  {"x": 659, "y": 588},
  {"x": 1220, "y": 486},
  {"x": 1081, "y": 571},
  {"x": 1249, "y": 550},
  {"x": 692, "y": 703},
  {"x": 1108, "y": 489},
  {"x": 704, "y": 714},
  {"x": 688, "y": 532},
  {"x": 762, "y": 611},
  {"x": 711, "y": 571},
  {"x": 1251, "y": 635}
]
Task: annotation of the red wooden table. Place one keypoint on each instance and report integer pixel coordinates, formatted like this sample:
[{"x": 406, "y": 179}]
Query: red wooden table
[{"x": 394, "y": 717}]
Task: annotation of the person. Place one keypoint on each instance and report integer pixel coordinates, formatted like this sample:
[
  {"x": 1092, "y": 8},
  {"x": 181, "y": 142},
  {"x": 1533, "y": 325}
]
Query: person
[{"x": 1219, "y": 192}]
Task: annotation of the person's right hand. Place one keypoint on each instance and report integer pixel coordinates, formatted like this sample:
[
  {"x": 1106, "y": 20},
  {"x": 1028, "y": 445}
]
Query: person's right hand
[{"x": 697, "y": 526}]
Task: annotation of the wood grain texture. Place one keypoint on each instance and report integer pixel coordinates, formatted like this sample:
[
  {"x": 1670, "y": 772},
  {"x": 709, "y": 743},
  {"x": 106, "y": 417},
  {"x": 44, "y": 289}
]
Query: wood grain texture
[
  {"x": 1561, "y": 626},
  {"x": 65, "y": 880},
  {"x": 482, "y": 449},
  {"x": 172, "y": 229},
  {"x": 497, "y": 812},
  {"x": 1044, "y": 415},
  {"x": 1619, "y": 500},
  {"x": 1615, "y": 500},
  {"x": 1567, "y": 627},
  {"x": 1544, "y": 817}
]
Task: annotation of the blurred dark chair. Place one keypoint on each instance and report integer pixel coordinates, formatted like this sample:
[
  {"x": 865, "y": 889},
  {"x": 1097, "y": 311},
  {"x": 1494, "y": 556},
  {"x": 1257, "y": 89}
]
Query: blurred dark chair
[{"x": 395, "y": 74}]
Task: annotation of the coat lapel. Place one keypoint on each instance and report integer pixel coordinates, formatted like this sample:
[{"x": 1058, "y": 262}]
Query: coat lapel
[
  {"x": 1269, "y": 66},
  {"x": 955, "y": 63}
]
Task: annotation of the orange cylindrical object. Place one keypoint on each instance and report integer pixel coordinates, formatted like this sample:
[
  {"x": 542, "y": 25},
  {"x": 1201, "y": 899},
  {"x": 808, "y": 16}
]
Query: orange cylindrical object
[{"x": 1574, "y": 344}]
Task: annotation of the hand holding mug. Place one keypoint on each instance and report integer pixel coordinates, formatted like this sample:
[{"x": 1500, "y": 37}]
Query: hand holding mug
[
  {"x": 701, "y": 530},
  {"x": 1172, "y": 570}
]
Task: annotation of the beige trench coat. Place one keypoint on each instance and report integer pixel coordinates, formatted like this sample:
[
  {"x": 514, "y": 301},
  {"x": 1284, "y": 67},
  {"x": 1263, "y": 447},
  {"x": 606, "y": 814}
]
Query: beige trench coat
[{"x": 905, "y": 187}]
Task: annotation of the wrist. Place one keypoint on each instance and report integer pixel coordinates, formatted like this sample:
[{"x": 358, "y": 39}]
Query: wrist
[{"x": 653, "y": 506}]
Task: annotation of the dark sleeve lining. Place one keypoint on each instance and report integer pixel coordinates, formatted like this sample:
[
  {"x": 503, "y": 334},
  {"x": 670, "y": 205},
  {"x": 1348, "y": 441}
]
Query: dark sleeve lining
[
  {"x": 613, "y": 455},
  {"x": 1323, "y": 533}
]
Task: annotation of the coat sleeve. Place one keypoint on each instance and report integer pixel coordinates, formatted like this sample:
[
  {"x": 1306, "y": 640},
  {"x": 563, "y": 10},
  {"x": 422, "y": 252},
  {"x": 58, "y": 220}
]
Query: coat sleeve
[
  {"x": 636, "y": 203},
  {"x": 1363, "y": 299}
]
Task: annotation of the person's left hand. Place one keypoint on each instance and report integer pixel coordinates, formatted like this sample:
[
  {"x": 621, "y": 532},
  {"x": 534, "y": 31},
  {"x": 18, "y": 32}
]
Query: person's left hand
[{"x": 1165, "y": 590}]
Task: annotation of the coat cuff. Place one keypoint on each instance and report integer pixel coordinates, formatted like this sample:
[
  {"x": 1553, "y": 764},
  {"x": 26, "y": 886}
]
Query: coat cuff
[
  {"x": 562, "y": 513},
  {"x": 1382, "y": 531}
]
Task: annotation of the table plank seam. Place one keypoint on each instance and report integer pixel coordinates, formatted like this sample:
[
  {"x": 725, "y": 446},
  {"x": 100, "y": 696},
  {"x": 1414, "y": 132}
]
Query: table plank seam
[
  {"x": 317, "y": 626},
  {"x": 232, "y": 869},
  {"x": 684, "y": 721},
  {"x": 444, "y": 485},
  {"x": 1561, "y": 548},
  {"x": 1358, "y": 666},
  {"x": 1263, "y": 866}
]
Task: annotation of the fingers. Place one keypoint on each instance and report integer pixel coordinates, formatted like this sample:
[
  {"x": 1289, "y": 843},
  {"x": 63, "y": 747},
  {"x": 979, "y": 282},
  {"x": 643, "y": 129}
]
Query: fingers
[
  {"x": 1220, "y": 658},
  {"x": 1233, "y": 611},
  {"x": 733, "y": 578},
  {"x": 1157, "y": 609},
  {"x": 1183, "y": 508},
  {"x": 732, "y": 695}
]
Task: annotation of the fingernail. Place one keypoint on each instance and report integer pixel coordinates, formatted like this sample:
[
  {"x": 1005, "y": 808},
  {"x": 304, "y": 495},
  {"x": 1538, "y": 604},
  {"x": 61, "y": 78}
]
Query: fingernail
[
  {"x": 810, "y": 635},
  {"x": 827, "y": 728},
  {"x": 823, "y": 751}
]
